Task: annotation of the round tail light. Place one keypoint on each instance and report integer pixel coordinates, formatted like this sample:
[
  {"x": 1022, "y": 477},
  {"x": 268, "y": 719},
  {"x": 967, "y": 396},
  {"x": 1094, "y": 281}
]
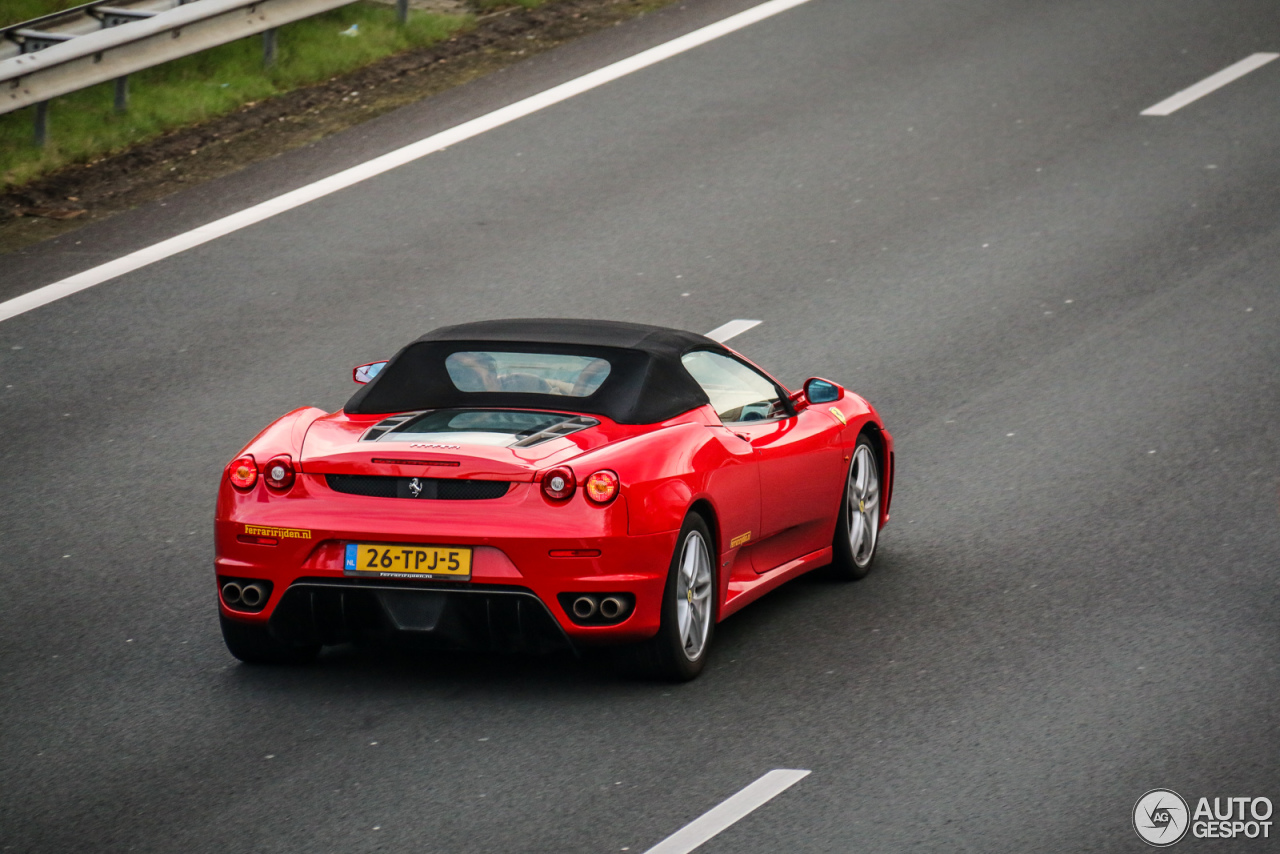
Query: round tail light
[
  {"x": 279, "y": 472},
  {"x": 244, "y": 472},
  {"x": 601, "y": 487},
  {"x": 558, "y": 484}
]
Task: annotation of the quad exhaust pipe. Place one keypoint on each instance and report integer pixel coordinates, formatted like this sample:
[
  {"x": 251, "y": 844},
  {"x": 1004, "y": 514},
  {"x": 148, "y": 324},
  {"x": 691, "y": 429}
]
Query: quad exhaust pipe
[
  {"x": 248, "y": 595},
  {"x": 596, "y": 607},
  {"x": 231, "y": 592},
  {"x": 253, "y": 595}
]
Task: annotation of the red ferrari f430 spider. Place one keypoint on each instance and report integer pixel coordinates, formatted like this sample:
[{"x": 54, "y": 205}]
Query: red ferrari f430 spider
[{"x": 528, "y": 484}]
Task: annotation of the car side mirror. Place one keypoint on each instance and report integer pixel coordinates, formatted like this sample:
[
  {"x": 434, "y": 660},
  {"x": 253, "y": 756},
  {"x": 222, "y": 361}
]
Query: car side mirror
[
  {"x": 818, "y": 390},
  {"x": 364, "y": 373}
]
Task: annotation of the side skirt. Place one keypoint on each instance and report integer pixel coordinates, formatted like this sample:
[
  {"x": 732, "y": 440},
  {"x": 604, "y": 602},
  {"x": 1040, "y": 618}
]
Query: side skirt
[{"x": 742, "y": 591}]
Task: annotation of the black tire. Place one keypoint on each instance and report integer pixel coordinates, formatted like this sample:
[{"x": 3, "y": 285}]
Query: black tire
[
  {"x": 847, "y": 562},
  {"x": 667, "y": 656},
  {"x": 253, "y": 643}
]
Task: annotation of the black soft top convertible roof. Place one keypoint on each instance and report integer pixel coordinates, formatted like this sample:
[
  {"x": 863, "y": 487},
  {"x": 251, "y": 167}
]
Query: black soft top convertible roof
[{"x": 647, "y": 382}]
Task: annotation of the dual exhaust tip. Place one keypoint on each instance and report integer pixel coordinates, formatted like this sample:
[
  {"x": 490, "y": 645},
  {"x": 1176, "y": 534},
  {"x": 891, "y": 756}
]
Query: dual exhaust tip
[
  {"x": 245, "y": 595},
  {"x": 607, "y": 608}
]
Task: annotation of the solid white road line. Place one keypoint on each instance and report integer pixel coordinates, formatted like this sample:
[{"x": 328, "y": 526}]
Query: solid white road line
[
  {"x": 731, "y": 329},
  {"x": 399, "y": 157},
  {"x": 1209, "y": 84},
  {"x": 752, "y": 797}
]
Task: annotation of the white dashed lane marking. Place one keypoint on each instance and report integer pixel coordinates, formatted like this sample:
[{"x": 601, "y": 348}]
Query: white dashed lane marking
[
  {"x": 391, "y": 160},
  {"x": 1210, "y": 84},
  {"x": 731, "y": 329},
  {"x": 730, "y": 812}
]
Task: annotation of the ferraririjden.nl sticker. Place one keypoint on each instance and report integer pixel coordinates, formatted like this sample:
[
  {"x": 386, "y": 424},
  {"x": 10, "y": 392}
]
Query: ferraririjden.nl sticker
[{"x": 278, "y": 533}]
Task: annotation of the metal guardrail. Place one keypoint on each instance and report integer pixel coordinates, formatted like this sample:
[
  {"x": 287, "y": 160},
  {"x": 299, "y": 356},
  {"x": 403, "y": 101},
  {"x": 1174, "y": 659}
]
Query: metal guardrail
[
  {"x": 57, "y": 27},
  {"x": 98, "y": 42},
  {"x": 78, "y": 61}
]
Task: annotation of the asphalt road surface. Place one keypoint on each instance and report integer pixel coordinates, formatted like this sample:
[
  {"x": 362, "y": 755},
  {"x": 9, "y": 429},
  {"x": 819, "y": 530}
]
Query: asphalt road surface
[{"x": 1066, "y": 311}]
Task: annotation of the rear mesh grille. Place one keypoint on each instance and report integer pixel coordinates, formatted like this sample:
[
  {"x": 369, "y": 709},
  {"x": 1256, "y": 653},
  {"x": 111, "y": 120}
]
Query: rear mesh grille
[
  {"x": 378, "y": 486},
  {"x": 357, "y": 484}
]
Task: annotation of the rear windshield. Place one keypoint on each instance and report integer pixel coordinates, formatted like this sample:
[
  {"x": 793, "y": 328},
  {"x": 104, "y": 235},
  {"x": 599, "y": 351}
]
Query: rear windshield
[
  {"x": 485, "y": 426},
  {"x": 536, "y": 373}
]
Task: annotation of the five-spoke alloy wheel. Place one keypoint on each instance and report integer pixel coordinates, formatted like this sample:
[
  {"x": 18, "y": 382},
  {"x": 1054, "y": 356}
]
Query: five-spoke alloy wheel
[
  {"x": 693, "y": 595},
  {"x": 679, "y": 650},
  {"x": 858, "y": 526}
]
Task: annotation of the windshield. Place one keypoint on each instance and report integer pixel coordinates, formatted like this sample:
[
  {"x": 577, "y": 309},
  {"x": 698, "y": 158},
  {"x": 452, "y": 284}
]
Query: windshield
[
  {"x": 537, "y": 373},
  {"x": 485, "y": 427}
]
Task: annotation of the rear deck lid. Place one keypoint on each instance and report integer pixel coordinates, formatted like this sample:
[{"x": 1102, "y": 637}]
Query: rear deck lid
[{"x": 495, "y": 444}]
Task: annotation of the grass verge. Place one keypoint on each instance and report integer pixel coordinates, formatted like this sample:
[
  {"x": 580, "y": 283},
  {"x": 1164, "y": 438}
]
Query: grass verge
[
  {"x": 83, "y": 125},
  {"x": 17, "y": 11},
  {"x": 79, "y": 194}
]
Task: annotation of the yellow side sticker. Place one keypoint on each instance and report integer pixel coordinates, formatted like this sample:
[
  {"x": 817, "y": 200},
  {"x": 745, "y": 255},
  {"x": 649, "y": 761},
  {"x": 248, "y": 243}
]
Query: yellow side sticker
[
  {"x": 739, "y": 540},
  {"x": 838, "y": 414},
  {"x": 278, "y": 533}
]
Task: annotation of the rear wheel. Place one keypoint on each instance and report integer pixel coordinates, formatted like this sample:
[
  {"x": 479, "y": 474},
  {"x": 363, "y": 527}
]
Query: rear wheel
[
  {"x": 253, "y": 643},
  {"x": 679, "y": 651},
  {"x": 858, "y": 528}
]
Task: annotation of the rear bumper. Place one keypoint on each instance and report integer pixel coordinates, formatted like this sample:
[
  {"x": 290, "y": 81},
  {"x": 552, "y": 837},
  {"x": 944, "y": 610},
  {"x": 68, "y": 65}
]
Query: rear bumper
[{"x": 516, "y": 596}]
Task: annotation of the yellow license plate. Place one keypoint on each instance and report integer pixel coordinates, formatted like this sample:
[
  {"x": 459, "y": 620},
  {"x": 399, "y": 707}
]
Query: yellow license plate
[{"x": 407, "y": 561}]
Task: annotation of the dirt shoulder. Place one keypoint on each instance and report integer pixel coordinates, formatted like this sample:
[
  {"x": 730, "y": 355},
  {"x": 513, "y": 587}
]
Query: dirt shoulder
[{"x": 75, "y": 196}]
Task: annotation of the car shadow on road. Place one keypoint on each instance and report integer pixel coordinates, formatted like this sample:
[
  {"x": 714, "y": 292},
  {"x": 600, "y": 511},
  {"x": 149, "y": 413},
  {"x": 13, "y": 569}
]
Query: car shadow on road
[
  {"x": 402, "y": 669},
  {"x": 802, "y": 613}
]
